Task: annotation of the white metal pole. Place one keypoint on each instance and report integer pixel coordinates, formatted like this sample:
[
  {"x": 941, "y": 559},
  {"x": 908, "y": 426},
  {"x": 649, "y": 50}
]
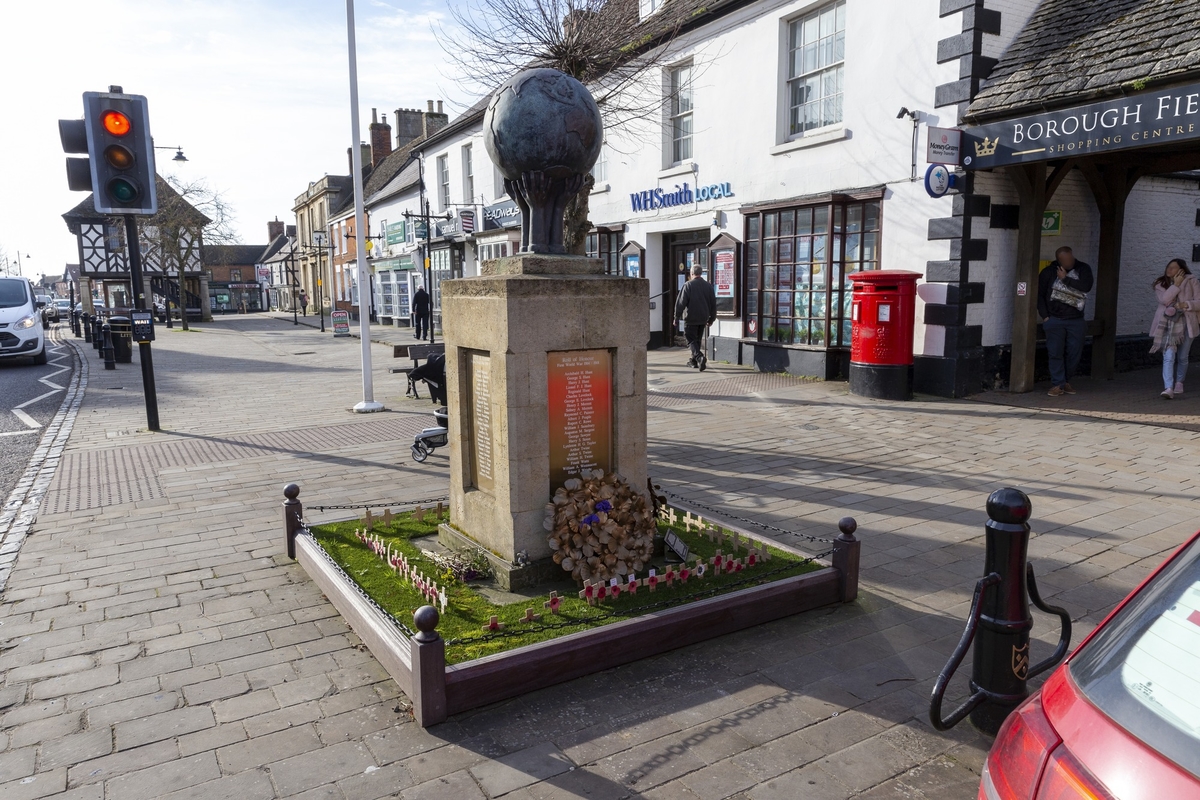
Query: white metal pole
[{"x": 360, "y": 228}]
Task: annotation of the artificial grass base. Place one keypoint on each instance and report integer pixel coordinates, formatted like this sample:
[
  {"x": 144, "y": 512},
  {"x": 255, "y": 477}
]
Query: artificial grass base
[{"x": 469, "y": 611}]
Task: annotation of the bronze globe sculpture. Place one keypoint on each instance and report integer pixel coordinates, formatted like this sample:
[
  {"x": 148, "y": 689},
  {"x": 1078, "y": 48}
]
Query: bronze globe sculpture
[{"x": 543, "y": 131}]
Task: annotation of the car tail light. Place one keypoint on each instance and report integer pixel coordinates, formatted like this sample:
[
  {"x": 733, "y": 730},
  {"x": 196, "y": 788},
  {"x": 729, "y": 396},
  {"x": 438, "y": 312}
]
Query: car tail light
[
  {"x": 1067, "y": 779},
  {"x": 1021, "y": 750}
]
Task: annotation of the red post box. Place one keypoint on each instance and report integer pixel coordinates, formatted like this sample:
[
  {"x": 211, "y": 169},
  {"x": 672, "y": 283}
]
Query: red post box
[{"x": 883, "y": 307}]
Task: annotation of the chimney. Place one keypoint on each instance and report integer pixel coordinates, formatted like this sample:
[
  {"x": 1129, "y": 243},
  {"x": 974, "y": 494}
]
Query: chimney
[
  {"x": 290, "y": 231},
  {"x": 365, "y": 151},
  {"x": 435, "y": 120},
  {"x": 413, "y": 124},
  {"x": 430, "y": 106},
  {"x": 381, "y": 139},
  {"x": 274, "y": 229},
  {"x": 439, "y": 107}
]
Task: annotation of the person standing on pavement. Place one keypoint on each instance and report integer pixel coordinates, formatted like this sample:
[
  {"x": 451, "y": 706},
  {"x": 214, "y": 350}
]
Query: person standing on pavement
[
  {"x": 303, "y": 303},
  {"x": 420, "y": 309},
  {"x": 1176, "y": 323},
  {"x": 1062, "y": 294},
  {"x": 697, "y": 307}
]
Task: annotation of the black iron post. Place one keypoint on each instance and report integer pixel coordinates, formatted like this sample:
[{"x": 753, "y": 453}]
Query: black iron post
[
  {"x": 106, "y": 351},
  {"x": 429, "y": 265},
  {"x": 295, "y": 291},
  {"x": 999, "y": 622},
  {"x": 98, "y": 333},
  {"x": 86, "y": 323},
  {"x": 293, "y": 514},
  {"x": 139, "y": 302},
  {"x": 74, "y": 317}
]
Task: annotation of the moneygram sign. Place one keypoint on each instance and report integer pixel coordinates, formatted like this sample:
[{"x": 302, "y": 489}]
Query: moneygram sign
[
  {"x": 944, "y": 146},
  {"x": 1147, "y": 119}
]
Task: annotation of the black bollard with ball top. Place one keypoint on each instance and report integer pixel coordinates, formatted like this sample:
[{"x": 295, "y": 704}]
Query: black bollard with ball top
[{"x": 999, "y": 623}]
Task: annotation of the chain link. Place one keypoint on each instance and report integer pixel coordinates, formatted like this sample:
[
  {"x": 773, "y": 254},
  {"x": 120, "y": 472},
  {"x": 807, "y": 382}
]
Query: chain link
[
  {"x": 407, "y": 631},
  {"x": 402, "y": 506},
  {"x": 727, "y": 515},
  {"x": 627, "y": 612}
]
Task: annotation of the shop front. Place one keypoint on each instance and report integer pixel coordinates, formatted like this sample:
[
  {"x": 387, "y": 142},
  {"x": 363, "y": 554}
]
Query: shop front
[
  {"x": 500, "y": 236},
  {"x": 396, "y": 280},
  {"x": 234, "y": 298}
]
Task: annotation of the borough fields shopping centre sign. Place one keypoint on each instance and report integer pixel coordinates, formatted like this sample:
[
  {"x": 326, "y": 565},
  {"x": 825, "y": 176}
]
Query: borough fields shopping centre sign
[{"x": 1147, "y": 119}]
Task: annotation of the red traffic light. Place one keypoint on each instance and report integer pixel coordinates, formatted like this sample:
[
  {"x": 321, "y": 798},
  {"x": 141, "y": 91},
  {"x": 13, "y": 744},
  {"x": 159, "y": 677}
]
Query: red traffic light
[{"x": 116, "y": 123}]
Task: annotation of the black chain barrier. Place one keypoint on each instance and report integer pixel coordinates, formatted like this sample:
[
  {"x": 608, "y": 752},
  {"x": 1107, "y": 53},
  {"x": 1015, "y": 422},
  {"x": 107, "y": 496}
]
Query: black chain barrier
[
  {"x": 407, "y": 631},
  {"x": 625, "y": 612},
  {"x": 401, "y": 506},
  {"x": 755, "y": 523}
]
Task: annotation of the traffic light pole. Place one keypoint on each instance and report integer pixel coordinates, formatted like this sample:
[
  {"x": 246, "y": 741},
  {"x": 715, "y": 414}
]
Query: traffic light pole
[{"x": 139, "y": 302}]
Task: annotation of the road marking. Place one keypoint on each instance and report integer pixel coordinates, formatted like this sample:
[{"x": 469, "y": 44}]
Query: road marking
[
  {"x": 39, "y": 397},
  {"x": 17, "y": 433},
  {"x": 28, "y": 420}
]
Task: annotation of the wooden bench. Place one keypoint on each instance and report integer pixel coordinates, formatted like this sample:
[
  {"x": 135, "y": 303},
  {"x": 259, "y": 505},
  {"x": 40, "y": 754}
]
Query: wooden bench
[{"x": 418, "y": 353}]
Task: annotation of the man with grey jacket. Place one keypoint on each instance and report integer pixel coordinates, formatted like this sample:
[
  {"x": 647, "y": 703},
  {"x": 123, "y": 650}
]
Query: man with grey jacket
[{"x": 697, "y": 307}]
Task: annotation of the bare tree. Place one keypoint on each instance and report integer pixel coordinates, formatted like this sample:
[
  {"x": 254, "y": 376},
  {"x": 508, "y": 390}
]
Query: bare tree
[
  {"x": 190, "y": 214},
  {"x": 602, "y": 43}
]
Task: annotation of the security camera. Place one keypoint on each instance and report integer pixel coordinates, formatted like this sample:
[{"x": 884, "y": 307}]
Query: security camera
[{"x": 903, "y": 112}]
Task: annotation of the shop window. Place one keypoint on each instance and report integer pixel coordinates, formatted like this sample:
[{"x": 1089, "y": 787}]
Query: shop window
[
  {"x": 797, "y": 262},
  {"x": 606, "y": 246},
  {"x": 681, "y": 113},
  {"x": 600, "y": 168},
  {"x": 235, "y": 276},
  {"x": 493, "y": 250},
  {"x": 816, "y": 68}
]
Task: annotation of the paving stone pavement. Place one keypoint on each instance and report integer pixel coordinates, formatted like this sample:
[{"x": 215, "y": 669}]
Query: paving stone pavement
[{"x": 166, "y": 647}]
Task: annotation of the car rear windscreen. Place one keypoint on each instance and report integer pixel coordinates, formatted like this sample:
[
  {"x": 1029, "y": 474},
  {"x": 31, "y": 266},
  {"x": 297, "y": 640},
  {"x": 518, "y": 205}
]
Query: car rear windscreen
[
  {"x": 1142, "y": 669},
  {"x": 12, "y": 293}
]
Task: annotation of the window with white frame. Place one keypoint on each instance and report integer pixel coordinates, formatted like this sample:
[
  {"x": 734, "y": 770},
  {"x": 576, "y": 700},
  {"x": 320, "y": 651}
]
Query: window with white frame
[
  {"x": 443, "y": 171},
  {"x": 468, "y": 175},
  {"x": 600, "y": 168},
  {"x": 497, "y": 183},
  {"x": 816, "y": 68},
  {"x": 681, "y": 113},
  {"x": 648, "y": 7}
]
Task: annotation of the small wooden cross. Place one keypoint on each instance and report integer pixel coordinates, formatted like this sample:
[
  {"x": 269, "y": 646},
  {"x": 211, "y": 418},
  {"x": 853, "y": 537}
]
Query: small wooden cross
[
  {"x": 684, "y": 573},
  {"x": 752, "y": 559},
  {"x": 588, "y": 593},
  {"x": 494, "y": 624},
  {"x": 419, "y": 513},
  {"x": 387, "y": 517},
  {"x": 721, "y": 536},
  {"x": 442, "y": 600},
  {"x": 736, "y": 545},
  {"x": 530, "y": 616},
  {"x": 632, "y": 586},
  {"x": 553, "y": 603},
  {"x": 718, "y": 561},
  {"x": 652, "y": 581},
  {"x": 440, "y": 510},
  {"x": 731, "y": 564},
  {"x": 763, "y": 552},
  {"x": 368, "y": 520},
  {"x": 700, "y": 569}
]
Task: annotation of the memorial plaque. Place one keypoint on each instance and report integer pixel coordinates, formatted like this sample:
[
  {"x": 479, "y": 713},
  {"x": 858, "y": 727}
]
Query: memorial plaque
[
  {"x": 579, "y": 393},
  {"x": 479, "y": 401}
]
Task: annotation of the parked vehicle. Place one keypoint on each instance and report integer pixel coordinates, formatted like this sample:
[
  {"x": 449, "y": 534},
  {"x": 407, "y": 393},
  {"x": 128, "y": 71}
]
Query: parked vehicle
[
  {"x": 64, "y": 309},
  {"x": 49, "y": 310},
  {"x": 1120, "y": 718},
  {"x": 20, "y": 312}
]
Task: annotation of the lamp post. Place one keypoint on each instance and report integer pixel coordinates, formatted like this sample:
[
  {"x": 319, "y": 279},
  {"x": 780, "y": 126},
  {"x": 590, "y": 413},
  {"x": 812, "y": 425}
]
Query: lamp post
[
  {"x": 295, "y": 287},
  {"x": 319, "y": 237}
]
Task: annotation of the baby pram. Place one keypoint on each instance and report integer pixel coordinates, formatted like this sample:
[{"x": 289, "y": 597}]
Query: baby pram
[{"x": 433, "y": 372}]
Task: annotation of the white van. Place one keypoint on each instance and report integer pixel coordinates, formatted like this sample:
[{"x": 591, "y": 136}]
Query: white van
[{"x": 21, "y": 334}]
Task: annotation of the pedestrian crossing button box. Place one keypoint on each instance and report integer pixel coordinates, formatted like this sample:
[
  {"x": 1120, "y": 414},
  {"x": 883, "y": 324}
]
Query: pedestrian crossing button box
[{"x": 143, "y": 326}]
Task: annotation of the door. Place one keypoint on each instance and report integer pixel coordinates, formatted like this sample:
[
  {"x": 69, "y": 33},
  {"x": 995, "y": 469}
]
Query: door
[{"x": 684, "y": 250}]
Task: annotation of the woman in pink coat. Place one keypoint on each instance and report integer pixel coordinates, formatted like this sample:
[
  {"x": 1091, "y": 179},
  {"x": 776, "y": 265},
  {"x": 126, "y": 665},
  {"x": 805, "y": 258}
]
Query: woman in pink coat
[{"x": 1176, "y": 323}]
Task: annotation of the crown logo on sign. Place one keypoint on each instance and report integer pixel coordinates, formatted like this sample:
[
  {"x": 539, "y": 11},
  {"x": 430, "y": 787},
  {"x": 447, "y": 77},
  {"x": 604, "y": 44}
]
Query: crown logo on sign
[{"x": 987, "y": 147}]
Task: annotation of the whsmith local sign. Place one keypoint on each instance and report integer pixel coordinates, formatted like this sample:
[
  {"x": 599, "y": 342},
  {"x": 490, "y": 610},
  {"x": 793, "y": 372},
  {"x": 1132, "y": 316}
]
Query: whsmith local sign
[
  {"x": 1123, "y": 123},
  {"x": 652, "y": 199}
]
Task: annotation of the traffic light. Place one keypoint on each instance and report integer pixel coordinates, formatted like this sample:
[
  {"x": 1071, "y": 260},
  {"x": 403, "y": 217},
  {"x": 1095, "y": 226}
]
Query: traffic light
[{"x": 119, "y": 168}]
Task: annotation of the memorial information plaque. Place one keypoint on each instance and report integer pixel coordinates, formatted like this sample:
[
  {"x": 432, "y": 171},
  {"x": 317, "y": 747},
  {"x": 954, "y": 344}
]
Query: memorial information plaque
[
  {"x": 579, "y": 391},
  {"x": 479, "y": 376}
]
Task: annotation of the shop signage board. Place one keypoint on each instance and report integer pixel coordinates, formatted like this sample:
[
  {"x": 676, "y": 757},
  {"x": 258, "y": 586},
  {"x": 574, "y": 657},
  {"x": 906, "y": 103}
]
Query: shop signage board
[
  {"x": 681, "y": 195},
  {"x": 579, "y": 393},
  {"x": 396, "y": 232},
  {"x": 1145, "y": 119},
  {"x": 341, "y": 323},
  {"x": 501, "y": 215},
  {"x": 1051, "y": 223},
  {"x": 938, "y": 180},
  {"x": 723, "y": 273},
  {"x": 944, "y": 146}
]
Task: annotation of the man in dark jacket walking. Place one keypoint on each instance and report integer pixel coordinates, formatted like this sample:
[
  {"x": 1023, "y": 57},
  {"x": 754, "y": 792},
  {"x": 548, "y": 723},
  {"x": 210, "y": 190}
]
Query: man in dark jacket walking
[
  {"x": 697, "y": 307},
  {"x": 1062, "y": 293},
  {"x": 420, "y": 310}
]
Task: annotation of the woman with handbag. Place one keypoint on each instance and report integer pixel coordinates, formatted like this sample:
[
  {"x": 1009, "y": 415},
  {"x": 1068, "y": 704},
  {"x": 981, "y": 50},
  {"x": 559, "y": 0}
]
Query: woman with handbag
[{"x": 1176, "y": 323}]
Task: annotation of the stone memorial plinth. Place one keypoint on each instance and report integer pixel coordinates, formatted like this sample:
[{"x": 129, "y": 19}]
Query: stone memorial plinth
[{"x": 546, "y": 378}]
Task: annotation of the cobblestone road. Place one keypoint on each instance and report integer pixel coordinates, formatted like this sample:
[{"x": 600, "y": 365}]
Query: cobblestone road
[{"x": 155, "y": 642}]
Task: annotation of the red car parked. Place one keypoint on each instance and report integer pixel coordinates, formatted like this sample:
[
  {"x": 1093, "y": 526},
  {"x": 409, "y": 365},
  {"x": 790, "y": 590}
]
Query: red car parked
[{"x": 1120, "y": 719}]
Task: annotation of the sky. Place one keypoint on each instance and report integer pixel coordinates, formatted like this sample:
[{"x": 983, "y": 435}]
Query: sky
[{"x": 256, "y": 92}]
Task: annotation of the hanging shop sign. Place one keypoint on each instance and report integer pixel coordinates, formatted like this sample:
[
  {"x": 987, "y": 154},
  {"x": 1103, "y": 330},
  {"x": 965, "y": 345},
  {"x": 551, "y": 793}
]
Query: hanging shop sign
[
  {"x": 397, "y": 232},
  {"x": 944, "y": 146},
  {"x": 684, "y": 195},
  {"x": 1137, "y": 120},
  {"x": 501, "y": 215},
  {"x": 938, "y": 180}
]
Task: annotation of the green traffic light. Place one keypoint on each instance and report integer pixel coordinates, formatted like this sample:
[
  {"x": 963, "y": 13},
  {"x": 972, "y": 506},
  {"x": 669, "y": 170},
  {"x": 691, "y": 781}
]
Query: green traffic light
[{"x": 123, "y": 190}]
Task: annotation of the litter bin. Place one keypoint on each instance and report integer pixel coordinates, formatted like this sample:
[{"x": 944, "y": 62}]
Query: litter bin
[
  {"x": 883, "y": 308},
  {"x": 122, "y": 339}
]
